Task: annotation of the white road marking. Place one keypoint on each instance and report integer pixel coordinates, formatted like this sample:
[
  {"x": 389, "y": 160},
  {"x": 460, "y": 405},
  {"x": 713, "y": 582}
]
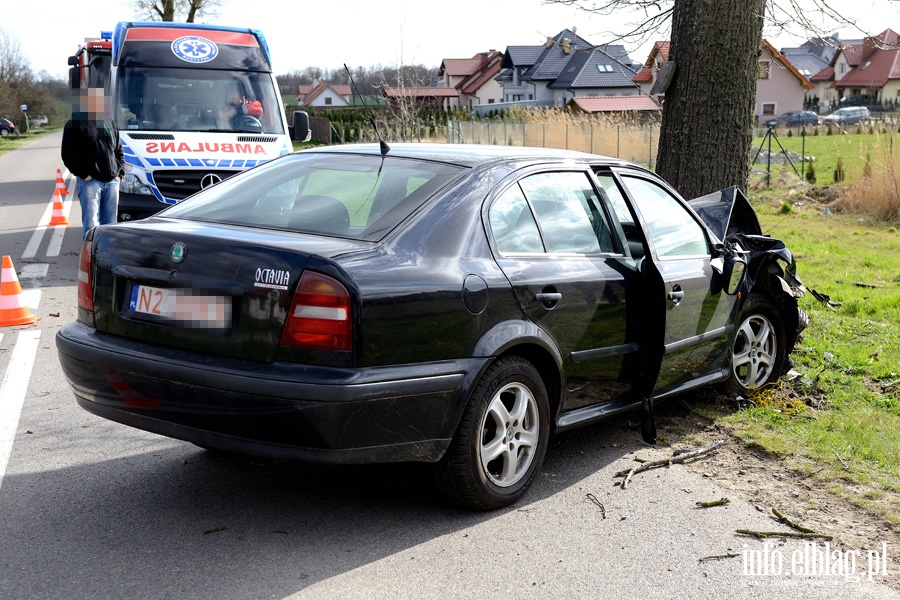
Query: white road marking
[
  {"x": 13, "y": 390},
  {"x": 35, "y": 242},
  {"x": 32, "y": 270},
  {"x": 37, "y": 237},
  {"x": 32, "y": 298}
]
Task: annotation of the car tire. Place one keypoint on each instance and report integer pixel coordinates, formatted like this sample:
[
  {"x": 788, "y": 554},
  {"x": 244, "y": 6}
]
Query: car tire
[
  {"x": 501, "y": 440},
  {"x": 4, "y": 132},
  {"x": 758, "y": 351}
]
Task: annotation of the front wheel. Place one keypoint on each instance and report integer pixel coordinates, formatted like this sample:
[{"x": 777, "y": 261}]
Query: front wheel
[
  {"x": 758, "y": 353},
  {"x": 501, "y": 440}
]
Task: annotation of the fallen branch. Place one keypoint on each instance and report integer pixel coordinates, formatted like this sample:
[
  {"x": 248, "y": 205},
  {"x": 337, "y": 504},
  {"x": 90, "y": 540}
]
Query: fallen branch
[
  {"x": 785, "y": 521},
  {"x": 718, "y": 556},
  {"x": 711, "y": 503},
  {"x": 846, "y": 468},
  {"x": 594, "y": 499},
  {"x": 790, "y": 534},
  {"x": 665, "y": 462}
]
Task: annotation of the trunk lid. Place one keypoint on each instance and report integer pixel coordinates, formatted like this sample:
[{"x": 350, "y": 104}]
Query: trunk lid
[{"x": 215, "y": 289}]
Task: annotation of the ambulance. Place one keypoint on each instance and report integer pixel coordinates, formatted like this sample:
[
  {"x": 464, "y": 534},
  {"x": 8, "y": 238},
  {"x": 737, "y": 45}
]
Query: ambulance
[{"x": 195, "y": 104}]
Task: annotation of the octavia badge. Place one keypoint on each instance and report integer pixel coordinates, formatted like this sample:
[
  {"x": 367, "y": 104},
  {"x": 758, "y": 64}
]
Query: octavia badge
[{"x": 179, "y": 252}]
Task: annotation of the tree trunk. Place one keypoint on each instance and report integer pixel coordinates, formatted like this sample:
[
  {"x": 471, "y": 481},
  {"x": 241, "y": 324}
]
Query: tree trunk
[{"x": 706, "y": 133}]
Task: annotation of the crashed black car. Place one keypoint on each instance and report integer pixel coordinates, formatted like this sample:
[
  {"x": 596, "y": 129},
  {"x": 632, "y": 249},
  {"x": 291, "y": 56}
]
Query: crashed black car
[{"x": 443, "y": 303}]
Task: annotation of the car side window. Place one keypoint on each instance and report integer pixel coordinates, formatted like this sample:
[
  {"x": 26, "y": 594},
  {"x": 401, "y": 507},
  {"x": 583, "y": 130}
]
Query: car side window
[
  {"x": 568, "y": 212},
  {"x": 672, "y": 229},
  {"x": 513, "y": 224}
]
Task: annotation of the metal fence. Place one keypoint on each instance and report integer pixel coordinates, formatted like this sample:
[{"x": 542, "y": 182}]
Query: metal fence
[{"x": 636, "y": 142}]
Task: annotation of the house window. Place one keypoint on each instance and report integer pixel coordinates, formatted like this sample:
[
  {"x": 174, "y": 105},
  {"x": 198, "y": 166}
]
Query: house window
[
  {"x": 605, "y": 68},
  {"x": 327, "y": 101},
  {"x": 490, "y": 100},
  {"x": 768, "y": 108},
  {"x": 843, "y": 68},
  {"x": 763, "y": 72}
]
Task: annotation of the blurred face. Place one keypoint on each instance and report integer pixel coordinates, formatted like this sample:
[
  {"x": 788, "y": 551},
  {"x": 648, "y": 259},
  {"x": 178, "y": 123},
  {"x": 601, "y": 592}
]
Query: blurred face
[{"x": 94, "y": 102}]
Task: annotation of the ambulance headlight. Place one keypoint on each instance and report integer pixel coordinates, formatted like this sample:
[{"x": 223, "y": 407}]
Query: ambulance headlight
[{"x": 133, "y": 184}]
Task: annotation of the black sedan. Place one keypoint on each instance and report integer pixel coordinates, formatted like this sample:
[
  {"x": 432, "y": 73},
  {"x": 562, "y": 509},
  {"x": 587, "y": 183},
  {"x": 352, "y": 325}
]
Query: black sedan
[
  {"x": 795, "y": 119},
  {"x": 441, "y": 303}
]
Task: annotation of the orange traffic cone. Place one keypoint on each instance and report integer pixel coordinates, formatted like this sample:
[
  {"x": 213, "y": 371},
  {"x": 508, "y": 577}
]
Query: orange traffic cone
[
  {"x": 13, "y": 310},
  {"x": 60, "y": 185},
  {"x": 58, "y": 218}
]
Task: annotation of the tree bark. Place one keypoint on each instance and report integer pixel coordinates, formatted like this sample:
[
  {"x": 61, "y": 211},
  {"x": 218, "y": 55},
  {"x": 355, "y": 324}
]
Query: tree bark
[{"x": 706, "y": 132}]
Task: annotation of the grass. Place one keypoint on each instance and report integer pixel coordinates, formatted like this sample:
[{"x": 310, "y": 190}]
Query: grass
[
  {"x": 852, "y": 148},
  {"x": 847, "y": 361}
]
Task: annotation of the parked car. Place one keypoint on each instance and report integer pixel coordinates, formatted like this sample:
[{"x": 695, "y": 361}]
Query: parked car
[
  {"x": 443, "y": 303},
  {"x": 7, "y": 127},
  {"x": 39, "y": 120},
  {"x": 794, "y": 119},
  {"x": 849, "y": 115}
]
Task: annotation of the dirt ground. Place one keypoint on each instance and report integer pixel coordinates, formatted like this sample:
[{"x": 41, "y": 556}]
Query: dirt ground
[{"x": 767, "y": 481}]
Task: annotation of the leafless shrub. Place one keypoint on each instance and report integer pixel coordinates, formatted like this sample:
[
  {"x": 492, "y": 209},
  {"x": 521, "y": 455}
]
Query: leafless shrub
[{"x": 879, "y": 193}]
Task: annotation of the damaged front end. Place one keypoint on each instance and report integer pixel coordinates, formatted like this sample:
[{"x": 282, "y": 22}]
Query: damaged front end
[{"x": 769, "y": 270}]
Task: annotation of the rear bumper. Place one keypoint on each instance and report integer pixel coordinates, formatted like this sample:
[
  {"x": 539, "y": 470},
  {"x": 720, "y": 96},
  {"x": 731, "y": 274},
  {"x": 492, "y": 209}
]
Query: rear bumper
[{"x": 280, "y": 410}]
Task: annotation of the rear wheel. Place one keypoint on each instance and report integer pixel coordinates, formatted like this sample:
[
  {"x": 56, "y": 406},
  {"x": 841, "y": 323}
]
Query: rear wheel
[
  {"x": 758, "y": 353},
  {"x": 501, "y": 440}
]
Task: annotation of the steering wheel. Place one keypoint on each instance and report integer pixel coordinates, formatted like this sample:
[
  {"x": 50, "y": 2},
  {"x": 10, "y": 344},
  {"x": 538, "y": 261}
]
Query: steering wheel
[{"x": 248, "y": 122}]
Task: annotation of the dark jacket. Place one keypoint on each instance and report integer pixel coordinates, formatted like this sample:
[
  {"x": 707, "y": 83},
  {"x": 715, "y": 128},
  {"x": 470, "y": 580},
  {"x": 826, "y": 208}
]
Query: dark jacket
[{"x": 92, "y": 148}]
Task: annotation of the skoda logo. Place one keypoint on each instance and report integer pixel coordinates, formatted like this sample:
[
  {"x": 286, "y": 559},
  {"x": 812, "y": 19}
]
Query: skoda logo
[
  {"x": 208, "y": 180},
  {"x": 194, "y": 49},
  {"x": 179, "y": 252}
]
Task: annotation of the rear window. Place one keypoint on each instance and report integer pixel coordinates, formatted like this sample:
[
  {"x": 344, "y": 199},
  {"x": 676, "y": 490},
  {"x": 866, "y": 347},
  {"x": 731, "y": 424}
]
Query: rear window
[{"x": 343, "y": 195}]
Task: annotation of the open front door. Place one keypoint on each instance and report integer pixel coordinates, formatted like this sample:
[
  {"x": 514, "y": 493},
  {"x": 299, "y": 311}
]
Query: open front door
[{"x": 687, "y": 279}]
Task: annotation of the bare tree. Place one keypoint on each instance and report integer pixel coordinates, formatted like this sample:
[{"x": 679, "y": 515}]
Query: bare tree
[
  {"x": 169, "y": 10},
  {"x": 13, "y": 65},
  {"x": 705, "y": 136}
]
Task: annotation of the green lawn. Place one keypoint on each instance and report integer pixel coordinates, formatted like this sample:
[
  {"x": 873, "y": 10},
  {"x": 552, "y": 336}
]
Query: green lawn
[
  {"x": 851, "y": 147},
  {"x": 847, "y": 362}
]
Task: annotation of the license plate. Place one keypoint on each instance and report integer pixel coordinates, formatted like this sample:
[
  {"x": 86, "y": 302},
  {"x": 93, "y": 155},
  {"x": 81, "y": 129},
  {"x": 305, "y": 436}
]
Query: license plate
[{"x": 188, "y": 308}]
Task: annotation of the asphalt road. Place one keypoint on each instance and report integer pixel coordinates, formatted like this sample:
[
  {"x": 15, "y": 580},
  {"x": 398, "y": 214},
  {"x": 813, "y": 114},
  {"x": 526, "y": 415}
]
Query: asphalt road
[{"x": 93, "y": 509}]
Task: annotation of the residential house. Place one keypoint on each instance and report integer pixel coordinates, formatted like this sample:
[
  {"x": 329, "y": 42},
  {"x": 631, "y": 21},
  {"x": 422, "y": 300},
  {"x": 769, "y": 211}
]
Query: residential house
[
  {"x": 813, "y": 60},
  {"x": 473, "y": 78},
  {"x": 870, "y": 69},
  {"x": 646, "y": 76},
  {"x": 780, "y": 86},
  {"x": 613, "y": 104},
  {"x": 324, "y": 95},
  {"x": 420, "y": 97},
  {"x": 814, "y": 54},
  {"x": 564, "y": 67}
]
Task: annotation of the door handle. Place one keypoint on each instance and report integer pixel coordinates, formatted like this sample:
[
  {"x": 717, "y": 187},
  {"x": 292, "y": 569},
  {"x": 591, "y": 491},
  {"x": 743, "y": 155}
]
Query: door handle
[
  {"x": 676, "y": 295},
  {"x": 548, "y": 299}
]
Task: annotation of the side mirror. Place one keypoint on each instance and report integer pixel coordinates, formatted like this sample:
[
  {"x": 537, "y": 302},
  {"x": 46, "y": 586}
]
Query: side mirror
[
  {"x": 73, "y": 61},
  {"x": 300, "y": 130},
  {"x": 733, "y": 275},
  {"x": 74, "y": 78}
]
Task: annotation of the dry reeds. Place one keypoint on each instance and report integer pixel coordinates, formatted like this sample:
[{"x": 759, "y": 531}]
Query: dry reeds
[{"x": 877, "y": 193}]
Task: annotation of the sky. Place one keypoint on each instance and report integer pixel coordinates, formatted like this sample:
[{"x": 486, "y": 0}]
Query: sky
[{"x": 370, "y": 33}]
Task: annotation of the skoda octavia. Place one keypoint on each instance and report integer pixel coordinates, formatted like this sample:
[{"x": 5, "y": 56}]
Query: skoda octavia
[{"x": 449, "y": 304}]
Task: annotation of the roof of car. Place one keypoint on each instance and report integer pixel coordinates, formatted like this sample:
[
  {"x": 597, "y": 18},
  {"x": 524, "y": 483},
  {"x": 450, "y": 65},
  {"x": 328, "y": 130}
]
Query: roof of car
[{"x": 470, "y": 155}]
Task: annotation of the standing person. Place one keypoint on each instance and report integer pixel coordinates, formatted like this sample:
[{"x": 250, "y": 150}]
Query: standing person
[{"x": 92, "y": 151}]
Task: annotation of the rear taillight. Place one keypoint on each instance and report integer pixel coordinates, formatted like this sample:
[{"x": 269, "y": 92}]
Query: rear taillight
[
  {"x": 320, "y": 315},
  {"x": 85, "y": 279}
]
